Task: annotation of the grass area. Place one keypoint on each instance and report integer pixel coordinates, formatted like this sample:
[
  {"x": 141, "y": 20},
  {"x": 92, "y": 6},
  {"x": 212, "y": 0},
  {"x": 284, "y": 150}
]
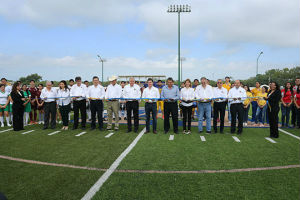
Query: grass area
[
  {"x": 152, "y": 152},
  {"x": 280, "y": 184}
]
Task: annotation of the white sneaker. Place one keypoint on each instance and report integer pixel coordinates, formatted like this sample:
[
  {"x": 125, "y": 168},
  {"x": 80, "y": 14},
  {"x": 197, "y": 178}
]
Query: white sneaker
[
  {"x": 9, "y": 125},
  {"x": 2, "y": 124}
]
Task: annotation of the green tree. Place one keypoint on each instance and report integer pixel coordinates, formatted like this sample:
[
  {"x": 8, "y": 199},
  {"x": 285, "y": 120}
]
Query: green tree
[{"x": 37, "y": 78}]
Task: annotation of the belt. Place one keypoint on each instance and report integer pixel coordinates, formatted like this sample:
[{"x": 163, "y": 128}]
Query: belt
[
  {"x": 113, "y": 100},
  {"x": 50, "y": 102}
]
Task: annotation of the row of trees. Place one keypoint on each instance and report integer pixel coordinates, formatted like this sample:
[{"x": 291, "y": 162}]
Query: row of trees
[{"x": 281, "y": 76}]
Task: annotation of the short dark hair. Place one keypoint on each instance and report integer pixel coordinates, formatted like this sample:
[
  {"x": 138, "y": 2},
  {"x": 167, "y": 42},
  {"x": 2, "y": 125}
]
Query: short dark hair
[
  {"x": 123, "y": 82},
  {"x": 77, "y": 78},
  {"x": 1, "y": 85},
  {"x": 227, "y": 77},
  {"x": 196, "y": 80},
  {"x": 159, "y": 80},
  {"x": 170, "y": 79},
  {"x": 3, "y": 79},
  {"x": 86, "y": 81},
  {"x": 150, "y": 79},
  {"x": 266, "y": 88},
  {"x": 71, "y": 80},
  {"x": 32, "y": 81},
  {"x": 95, "y": 77},
  {"x": 257, "y": 82},
  {"x": 41, "y": 84}
]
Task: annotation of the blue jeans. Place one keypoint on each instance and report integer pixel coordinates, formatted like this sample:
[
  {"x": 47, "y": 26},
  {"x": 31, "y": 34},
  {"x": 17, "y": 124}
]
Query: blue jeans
[
  {"x": 254, "y": 109},
  {"x": 246, "y": 112},
  {"x": 229, "y": 114},
  {"x": 285, "y": 115},
  {"x": 204, "y": 108},
  {"x": 262, "y": 112}
]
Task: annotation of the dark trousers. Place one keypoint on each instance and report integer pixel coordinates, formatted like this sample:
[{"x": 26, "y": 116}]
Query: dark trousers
[
  {"x": 273, "y": 118},
  {"x": 171, "y": 108},
  {"x": 79, "y": 105},
  {"x": 187, "y": 116},
  {"x": 18, "y": 113},
  {"x": 132, "y": 106},
  {"x": 64, "y": 111},
  {"x": 254, "y": 108},
  {"x": 97, "y": 108},
  {"x": 50, "y": 110},
  {"x": 236, "y": 110},
  {"x": 246, "y": 112},
  {"x": 151, "y": 108},
  {"x": 294, "y": 114},
  {"x": 298, "y": 117},
  {"x": 219, "y": 109}
]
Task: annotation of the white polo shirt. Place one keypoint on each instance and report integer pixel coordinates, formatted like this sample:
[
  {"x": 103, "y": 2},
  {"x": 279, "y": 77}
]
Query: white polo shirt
[
  {"x": 220, "y": 93},
  {"x": 132, "y": 92},
  {"x": 152, "y": 94},
  {"x": 237, "y": 93}
]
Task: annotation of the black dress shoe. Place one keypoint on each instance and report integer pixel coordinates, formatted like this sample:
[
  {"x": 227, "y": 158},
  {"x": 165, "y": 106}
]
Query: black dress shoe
[
  {"x": 176, "y": 132},
  {"x": 155, "y": 132},
  {"x": 128, "y": 131},
  {"x": 147, "y": 132},
  {"x": 239, "y": 133},
  {"x": 74, "y": 128},
  {"x": 100, "y": 129},
  {"x": 200, "y": 132},
  {"x": 44, "y": 128},
  {"x": 136, "y": 130},
  {"x": 93, "y": 128},
  {"x": 209, "y": 132},
  {"x": 53, "y": 127},
  {"x": 215, "y": 131},
  {"x": 83, "y": 128},
  {"x": 166, "y": 132}
]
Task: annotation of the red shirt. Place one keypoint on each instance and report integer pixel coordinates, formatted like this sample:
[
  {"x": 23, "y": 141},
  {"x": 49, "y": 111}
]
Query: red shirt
[
  {"x": 33, "y": 92},
  {"x": 297, "y": 96},
  {"x": 286, "y": 96}
]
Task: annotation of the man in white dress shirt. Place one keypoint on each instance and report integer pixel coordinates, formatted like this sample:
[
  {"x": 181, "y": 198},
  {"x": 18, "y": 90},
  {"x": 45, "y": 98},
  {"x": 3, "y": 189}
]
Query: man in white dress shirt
[
  {"x": 152, "y": 93},
  {"x": 132, "y": 95},
  {"x": 204, "y": 94},
  {"x": 48, "y": 95},
  {"x": 220, "y": 101},
  {"x": 112, "y": 96},
  {"x": 96, "y": 94},
  {"x": 78, "y": 94},
  {"x": 122, "y": 111},
  {"x": 236, "y": 96}
]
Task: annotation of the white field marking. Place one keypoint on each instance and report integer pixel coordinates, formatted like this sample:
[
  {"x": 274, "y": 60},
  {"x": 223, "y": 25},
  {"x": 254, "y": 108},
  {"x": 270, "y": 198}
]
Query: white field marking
[
  {"x": 289, "y": 134},
  {"x": 171, "y": 137},
  {"x": 28, "y": 132},
  {"x": 269, "y": 139},
  {"x": 54, "y": 133},
  {"x": 92, "y": 191},
  {"x": 236, "y": 139},
  {"x": 202, "y": 138},
  {"x": 6, "y": 130},
  {"x": 110, "y": 134},
  {"x": 80, "y": 134}
]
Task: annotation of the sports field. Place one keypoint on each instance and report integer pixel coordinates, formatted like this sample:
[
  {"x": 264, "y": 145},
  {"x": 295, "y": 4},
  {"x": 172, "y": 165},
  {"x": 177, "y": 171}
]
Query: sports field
[{"x": 54, "y": 164}]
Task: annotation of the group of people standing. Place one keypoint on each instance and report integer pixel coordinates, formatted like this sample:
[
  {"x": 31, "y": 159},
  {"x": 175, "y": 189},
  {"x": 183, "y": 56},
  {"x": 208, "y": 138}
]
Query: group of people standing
[{"x": 210, "y": 103}]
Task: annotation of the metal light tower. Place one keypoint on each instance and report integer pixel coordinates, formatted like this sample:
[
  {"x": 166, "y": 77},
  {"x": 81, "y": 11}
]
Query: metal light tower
[
  {"x": 102, "y": 60},
  {"x": 179, "y": 9},
  {"x": 257, "y": 62},
  {"x": 181, "y": 59}
]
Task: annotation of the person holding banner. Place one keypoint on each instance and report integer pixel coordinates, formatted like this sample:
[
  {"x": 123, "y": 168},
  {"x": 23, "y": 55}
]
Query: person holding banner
[
  {"x": 236, "y": 96},
  {"x": 96, "y": 94},
  {"x": 220, "y": 101},
  {"x": 151, "y": 95},
  {"x": 170, "y": 95},
  {"x": 273, "y": 98},
  {"x": 187, "y": 95},
  {"x": 112, "y": 96},
  {"x": 132, "y": 95},
  {"x": 204, "y": 95},
  {"x": 78, "y": 94},
  {"x": 64, "y": 103},
  {"x": 49, "y": 95}
]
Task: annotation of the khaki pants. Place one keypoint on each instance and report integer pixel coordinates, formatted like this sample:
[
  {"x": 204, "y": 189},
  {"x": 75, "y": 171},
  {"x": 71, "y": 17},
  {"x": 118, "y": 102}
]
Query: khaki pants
[{"x": 113, "y": 107}]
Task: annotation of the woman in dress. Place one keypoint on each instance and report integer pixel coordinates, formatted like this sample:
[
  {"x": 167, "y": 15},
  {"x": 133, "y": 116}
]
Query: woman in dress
[
  {"x": 27, "y": 109},
  {"x": 18, "y": 98}
]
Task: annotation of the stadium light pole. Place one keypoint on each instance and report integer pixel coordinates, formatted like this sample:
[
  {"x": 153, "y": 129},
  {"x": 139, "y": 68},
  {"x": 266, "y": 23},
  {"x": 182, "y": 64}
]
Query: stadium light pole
[
  {"x": 181, "y": 59},
  {"x": 179, "y": 9},
  {"x": 102, "y": 60},
  {"x": 257, "y": 62}
]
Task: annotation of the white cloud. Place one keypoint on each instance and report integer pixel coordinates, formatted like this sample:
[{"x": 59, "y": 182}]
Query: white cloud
[
  {"x": 13, "y": 67},
  {"x": 268, "y": 22}
]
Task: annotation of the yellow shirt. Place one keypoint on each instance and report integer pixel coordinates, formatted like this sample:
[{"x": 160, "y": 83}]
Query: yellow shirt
[
  {"x": 227, "y": 86},
  {"x": 247, "y": 101},
  {"x": 255, "y": 93},
  {"x": 261, "y": 101}
]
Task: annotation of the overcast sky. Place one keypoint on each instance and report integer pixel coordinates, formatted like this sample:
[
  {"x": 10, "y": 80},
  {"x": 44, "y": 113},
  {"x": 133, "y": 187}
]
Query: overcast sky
[{"x": 60, "y": 39}]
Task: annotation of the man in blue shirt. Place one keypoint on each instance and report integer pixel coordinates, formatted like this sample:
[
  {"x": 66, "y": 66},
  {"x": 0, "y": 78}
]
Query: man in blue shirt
[{"x": 170, "y": 94}]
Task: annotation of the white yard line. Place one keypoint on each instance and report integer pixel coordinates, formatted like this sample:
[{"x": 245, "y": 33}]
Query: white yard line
[
  {"x": 80, "y": 134},
  {"x": 269, "y": 139},
  {"x": 202, "y": 138},
  {"x": 236, "y": 139},
  {"x": 297, "y": 137},
  {"x": 53, "y": 132},
  {"x": 96, "y": 187},
  {"x": 110, "y": 134},
  {"x": 6, "y": 130},
  {"x": 171, "y": 137},
  {"x": 28, "y": 132}
]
